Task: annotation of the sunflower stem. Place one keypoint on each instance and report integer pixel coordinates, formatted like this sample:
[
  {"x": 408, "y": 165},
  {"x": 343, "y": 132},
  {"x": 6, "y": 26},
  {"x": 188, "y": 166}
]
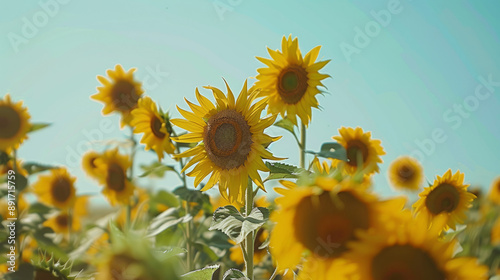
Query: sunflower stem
[
  {"x": 131, "y": 176},
  {"x": 249, "y": 242},
  {"x": 302, "y": 145}
]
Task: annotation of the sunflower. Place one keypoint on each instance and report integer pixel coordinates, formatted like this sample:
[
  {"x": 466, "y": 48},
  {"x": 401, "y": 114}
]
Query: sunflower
[
  {"x": 494, "y": 194},
  {"x": 447, "y": 195},
  {"x": 290, "y": 82},
  {"x": 315, "y": 223},
  {"x": 14, "y": 123},
  {"x": 233, "y": 141},
  {"x": 156, "y": 128},
  {"x": 410, "y": 251},
  {"x": 362, "y": 151},
  {"x": 406, "y": 173},
  {"x": 120, "y": 93},
  {"x": 56, "y": 189},
  {"x": 89, "y": 165},
  {"x": 61, "y": 222},
  {"x": 117, "y": 187}
]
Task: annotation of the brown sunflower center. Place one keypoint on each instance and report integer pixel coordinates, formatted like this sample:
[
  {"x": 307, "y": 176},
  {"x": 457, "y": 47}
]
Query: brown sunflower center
[
  {"x": 356, "y": 149},
  {"x": 227, "y": 139},
  {"x": 119, "y": 268},
  {"x": 292, "y": 84},
  {"x": 10, "y": 122},
  {"x": 41, "y": 274},
  {"x": 61, "y": 189},
  {"x": 404, "y": 262},
  {"x": 324, "y": 224},
  {"x": 406, "y": 173},
  {"x": 124, "y": 96},
  {"x": 116, "y": 177},
  {"x": 444, "y": 198},
  {"x": 62, "y": 220},
  {"x": 156, "y": 127}
]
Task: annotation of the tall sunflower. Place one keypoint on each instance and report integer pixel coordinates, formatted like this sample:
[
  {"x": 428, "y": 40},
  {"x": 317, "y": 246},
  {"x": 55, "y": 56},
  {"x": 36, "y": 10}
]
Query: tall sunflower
[
  {"x": 56, "y": 189},
  {"x": 447, "y": 195},
  {"x": 156, "y": 129},
  {"x": 406, "y": 173},
  {"x": 120, "y": 93},
  {"x": 315, "y": 223},
  {"x": 117, "y": 187},
  {"x": 362, "y": 150},
  {"x": 494, "y": 193},
  {"x": 233, "y": 141},
  {"x": 410, "y": 251},
  {"x": 89, "y": 165},
  {"x": 290, "y": 82},
  {"x": 14, "y": 123}
]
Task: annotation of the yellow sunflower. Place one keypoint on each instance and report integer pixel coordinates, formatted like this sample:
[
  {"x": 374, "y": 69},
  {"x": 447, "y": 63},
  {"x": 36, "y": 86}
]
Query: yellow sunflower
[
  {"x": 120, "y": 93},
  {"x": 117, "y": 187},
  {"x": 56, "y": 189},
  {"x": 362, "y": 151},
  {"x": 61, "y": 222},
  {"x": 447, "y": 195},
  {"x": 147, "y": 120},
  {"x": 494, "y": 194},
  {"x": 406, "y": 173},
  {"x": 315, "y": 223},
  {"x": 14, "y": 123},
  {"x": 88, "y": 164},
  {"x": 408, "y": 252},
  {"x": 290, "y": 82},
  {"x": 233, "y": 141}
]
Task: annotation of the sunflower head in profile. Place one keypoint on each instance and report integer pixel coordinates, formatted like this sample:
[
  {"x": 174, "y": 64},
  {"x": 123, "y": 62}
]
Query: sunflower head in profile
[
  {"x": 56, "y": 189},
  {"x": 315, "y": 223},
  {"x": 363, "y": 152},
  {"x": 120, "y": 93},
  {"x": 494, "y": 193},
  {"x": 406, "y": 173},
  {"x": 14, "y": 123},
  {"x": 89, "y": 164},
  {"x": 447, "y": 195},
  {"x": 290, "y": 82},
  {"x": 410, "y": 251},
  {"x": 113, "y": 166},
  {"x": 232, "y": 141},
  {"x": 156, "y": 128}
]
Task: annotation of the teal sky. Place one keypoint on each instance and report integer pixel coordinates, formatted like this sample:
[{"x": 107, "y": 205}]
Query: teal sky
[{"x": 415, "y": 76}]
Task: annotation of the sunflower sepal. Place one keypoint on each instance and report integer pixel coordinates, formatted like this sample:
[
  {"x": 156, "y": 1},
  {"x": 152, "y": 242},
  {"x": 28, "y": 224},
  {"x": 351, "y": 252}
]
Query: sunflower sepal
[
  {"x": 53, "y": 266},
  {"x": 38, "y": 126}
]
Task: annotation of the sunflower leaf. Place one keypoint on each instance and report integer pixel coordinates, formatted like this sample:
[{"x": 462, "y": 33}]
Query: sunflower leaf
[
  {"x": 286, "y": 124},
  {"x": 331, "y": 150},
  {"x": 38, "y": 126},
  {"x": 155, "y": 169},
  {"x": 201, "y": 274},
  {"x": 165, "y": 220},
  {"x": 234, "y": 274},
  {"x": 280, "y": 171},
  {"x": 229, "y": 220}
]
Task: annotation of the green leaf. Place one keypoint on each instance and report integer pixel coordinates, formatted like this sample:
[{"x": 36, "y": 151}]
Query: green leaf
[
  {"x": 39, "y": 208},
  {"x": 331, "y": 150},
  {"x": 201, "y": 247},
  {"x": 166, "y": 198},
  {"x": 165, "y": 220},
  {"x": 197, "y": 196},
  {"x": 280, "y": 171},
  {"x": 167, "y": 253},
  {"x": 33, "y": 167},
  {"x": 229, "y": 220},
  {"x": 286, "y": 124},
  {"x": 156, "y": 169},
  {"x": 37, "y": 126},
  {"x": 234, "y": 274},
  {"x": 201, "y": 274}
]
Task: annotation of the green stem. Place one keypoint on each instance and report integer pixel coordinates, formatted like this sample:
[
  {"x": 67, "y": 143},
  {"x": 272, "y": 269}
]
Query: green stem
[
  {"x": 131, "y": 178},
  {"x": 249, "y": 242},
  {"x": 302, "y": 145}
]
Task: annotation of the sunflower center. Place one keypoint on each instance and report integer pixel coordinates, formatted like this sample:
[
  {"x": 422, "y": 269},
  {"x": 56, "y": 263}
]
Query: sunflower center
[
  {"x": 227, "y": 139},
  {"x": 10, "y": 122},
  {"x": 325, "y": 226},
  {"x": 124, "y": 95},
  {"x": 61, "y": 189},
  {"x": 444, "y": 198},
  {"x": 292, "y": 84},
  {"x": 404, "y": 262},
  {"x": 406, "y": 173},
  {"x": 156, "y": 126},
  {"x": 119, "y": 267},
  {"x": 116, "y": 177},
  {"x": 62, "y": 220},
  {"x": 356, "y": 149}
]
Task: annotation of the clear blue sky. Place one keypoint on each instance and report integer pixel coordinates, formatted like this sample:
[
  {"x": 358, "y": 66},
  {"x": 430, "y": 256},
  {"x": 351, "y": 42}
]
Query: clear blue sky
[{"x": 412, "y": 78}]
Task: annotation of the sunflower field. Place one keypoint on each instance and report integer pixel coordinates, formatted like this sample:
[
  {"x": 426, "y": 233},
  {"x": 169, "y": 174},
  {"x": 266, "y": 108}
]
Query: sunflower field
[{"x": 326, "y": 221}]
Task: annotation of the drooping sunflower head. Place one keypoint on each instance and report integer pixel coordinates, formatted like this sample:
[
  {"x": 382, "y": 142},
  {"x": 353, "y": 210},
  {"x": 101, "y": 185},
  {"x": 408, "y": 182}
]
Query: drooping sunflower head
[
  {"x": 406, "y": 173},
  {"x": 14, "y": 123},
  {"x": 147, "y": 120},
  {"x": 290, "y": 82},
  {"x": 120, "y": 93},
  {"x": 410, "y": 251},
  {"x": 494, "y": 193},
  {"x": 232, "y": 141},
  {"x": 89, "y": 164},
  {"x": 447, "y": 195},
  {"x": 61, "y": 223},
  {"x": 117, "y": 187},
  {"x": 363, "y": 152},
  {"x": 56, "y": 189}
]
